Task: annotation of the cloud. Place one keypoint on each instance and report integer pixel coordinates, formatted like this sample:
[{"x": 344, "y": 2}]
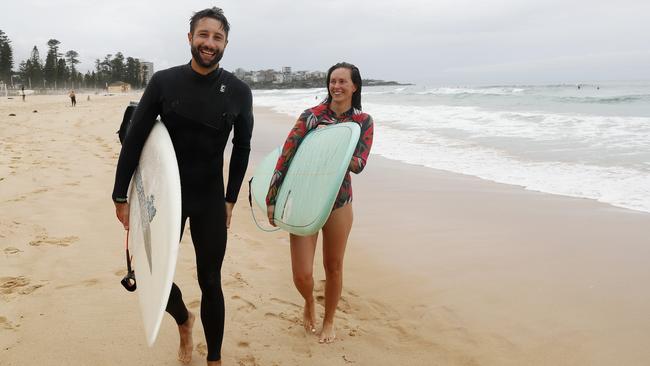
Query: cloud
[{"x": 411, "y": 40}]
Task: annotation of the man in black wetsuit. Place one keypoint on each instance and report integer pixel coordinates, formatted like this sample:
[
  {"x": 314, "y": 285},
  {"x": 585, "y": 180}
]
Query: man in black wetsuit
[{"x": 199, "y": 103}]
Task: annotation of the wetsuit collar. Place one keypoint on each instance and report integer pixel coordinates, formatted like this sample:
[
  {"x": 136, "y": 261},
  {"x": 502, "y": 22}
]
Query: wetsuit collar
[
  {"x": 347, "y": 113},
  {"x": 214, "y": 74}
]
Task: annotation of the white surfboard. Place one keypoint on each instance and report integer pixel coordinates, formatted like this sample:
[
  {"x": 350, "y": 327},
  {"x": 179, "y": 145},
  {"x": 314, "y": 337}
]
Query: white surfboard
[{"x": 154, "y": 226}]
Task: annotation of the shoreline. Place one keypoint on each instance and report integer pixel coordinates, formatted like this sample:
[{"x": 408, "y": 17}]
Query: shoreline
[
  {"x": 441, "y": 268},
  {"x": 471, "y": 176}
]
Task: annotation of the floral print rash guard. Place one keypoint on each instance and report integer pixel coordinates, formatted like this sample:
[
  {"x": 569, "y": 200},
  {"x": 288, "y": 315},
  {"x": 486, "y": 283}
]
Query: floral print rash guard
[{"x": 322, "y": 115}]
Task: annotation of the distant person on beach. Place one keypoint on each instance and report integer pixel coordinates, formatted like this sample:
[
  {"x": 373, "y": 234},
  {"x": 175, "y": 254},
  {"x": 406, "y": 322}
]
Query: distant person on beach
[
  {"x": 73, "y": 98},
  {"x": 199, "y": 103},
  {"x": 22, "y": 92},
  {"x": 343, "y": 104}
]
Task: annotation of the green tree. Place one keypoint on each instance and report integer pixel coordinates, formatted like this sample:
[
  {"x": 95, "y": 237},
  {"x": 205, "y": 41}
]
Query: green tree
[
  {"x": 62, "y": 73},
  {"x": 104, "y": 71},
  {"x": 118, "y": 69},
  {"x": 133, "y": 72},
  {"x": 89, "y": 80},
  {"x": 72, "y": 57},
  {"x": 6, "y": 58},
  {"x": 34, "y": 70},
  {"x": 50, "y": 70}
]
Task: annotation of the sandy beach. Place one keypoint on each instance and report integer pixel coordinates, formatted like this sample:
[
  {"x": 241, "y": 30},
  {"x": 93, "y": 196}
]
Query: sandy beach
[{"x": 441, "y": 268}]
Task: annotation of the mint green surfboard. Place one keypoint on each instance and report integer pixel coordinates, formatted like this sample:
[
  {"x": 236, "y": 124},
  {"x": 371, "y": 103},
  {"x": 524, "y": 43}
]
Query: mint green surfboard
[{"x": 315, "y": 175}]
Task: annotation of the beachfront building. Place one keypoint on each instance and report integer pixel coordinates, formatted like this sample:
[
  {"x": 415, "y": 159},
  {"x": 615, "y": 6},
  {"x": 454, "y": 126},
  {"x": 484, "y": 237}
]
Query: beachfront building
[
  {"x": 119, "y": 87},
  {"x": 287, "y": 75},
  {"x": 278, "y": 77},
  {"x": 146, "y": 71},
  {"x": 240, "y": 73},
  {"x": 315, "y": 75},
  {"x": 300, "y": 75}
]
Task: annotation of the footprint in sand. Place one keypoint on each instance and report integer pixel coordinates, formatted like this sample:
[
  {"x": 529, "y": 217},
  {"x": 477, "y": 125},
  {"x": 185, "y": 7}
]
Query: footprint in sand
[
  {"x": 11, "y": 250},
  {"x": 238, "y": 280},
  {"x": 86, "y": 283},
  {"x": 243, "y": 344},
  {"x": 289, "y": 318},
  {"x": 20, "y": 285},
  {"x": 40, "y": 190},
  {"x": 194, "y": 304},
  {"x": 6, "y": 324},
  {"x": 90, "y": 282},
  {"x": 120, "y": 272},
  {"x": 284, "y": 302},
  {"x": 249, "y": 306},
  {"x": 17, "y": 199},
  {"x": 202, "y": 349},
  {"x": 354, "y": 332},
  {"x": 247, "y": 361},
  {"x": 46, "y": 240}
]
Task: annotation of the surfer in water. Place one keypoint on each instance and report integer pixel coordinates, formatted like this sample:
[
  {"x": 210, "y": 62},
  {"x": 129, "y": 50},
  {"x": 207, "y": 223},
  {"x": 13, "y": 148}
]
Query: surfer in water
[
  {"x": 343, "y": 104},
  {"x": 199, "y": 103}
]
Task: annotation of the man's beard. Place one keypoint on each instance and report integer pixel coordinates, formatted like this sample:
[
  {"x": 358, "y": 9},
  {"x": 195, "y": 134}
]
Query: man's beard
[{"x": 196, "y": 54}]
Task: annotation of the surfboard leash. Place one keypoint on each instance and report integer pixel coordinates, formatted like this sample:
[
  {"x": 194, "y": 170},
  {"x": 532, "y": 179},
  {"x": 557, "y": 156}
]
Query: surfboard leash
[
  {"x": 129, "y": 279},
  {"x": 250, "y": 203}
]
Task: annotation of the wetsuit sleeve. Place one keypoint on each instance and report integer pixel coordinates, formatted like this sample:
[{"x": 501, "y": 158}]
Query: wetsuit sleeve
[
  {"x": 289, "y": 149},
  {"x": 142, "y": 122},
  {"x": 361, "y": 152},
  {"x": 243, "y": 131}
]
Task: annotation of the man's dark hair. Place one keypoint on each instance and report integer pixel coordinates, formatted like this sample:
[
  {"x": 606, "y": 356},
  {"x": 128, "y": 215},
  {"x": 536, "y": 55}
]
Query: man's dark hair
[
  {"x": 356, "y": 80},
  {"x": 214, "y": 13}
]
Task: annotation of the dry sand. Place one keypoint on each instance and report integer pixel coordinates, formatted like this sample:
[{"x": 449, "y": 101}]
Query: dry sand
[{"x": 441, "y": 269}]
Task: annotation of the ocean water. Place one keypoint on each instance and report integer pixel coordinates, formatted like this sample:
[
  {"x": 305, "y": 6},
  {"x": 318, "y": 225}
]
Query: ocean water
[{"x": 591, "y": 142}]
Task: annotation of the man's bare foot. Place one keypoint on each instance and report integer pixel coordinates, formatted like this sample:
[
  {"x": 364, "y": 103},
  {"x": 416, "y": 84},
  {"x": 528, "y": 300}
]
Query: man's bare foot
[
  {"x": 309, "y": 317},
  {"x": 186, "y": 347},
  {"x": 214, "y": 363},
  {"x": 327, "y": 334}
]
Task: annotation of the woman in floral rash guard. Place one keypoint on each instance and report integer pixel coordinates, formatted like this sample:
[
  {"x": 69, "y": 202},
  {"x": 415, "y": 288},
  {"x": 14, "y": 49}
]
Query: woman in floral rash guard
[{"x": 343, "y": 104}]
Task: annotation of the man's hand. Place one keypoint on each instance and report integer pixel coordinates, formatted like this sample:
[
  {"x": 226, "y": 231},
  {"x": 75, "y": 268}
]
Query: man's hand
[
  {"x": 122, "y": 212},
  {"x": 229, "y": 207},
  {"x": 270, "y": 211}
]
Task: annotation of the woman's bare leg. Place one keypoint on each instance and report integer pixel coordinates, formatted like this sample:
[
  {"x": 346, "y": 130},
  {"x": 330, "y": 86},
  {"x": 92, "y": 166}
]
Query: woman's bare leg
[
  {"x": 303, "y": 249},
  {"x": 335, "y": 238}
]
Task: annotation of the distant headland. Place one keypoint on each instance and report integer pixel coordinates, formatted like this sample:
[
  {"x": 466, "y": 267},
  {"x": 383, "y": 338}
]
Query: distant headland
[{"x": 288, "y": 79}]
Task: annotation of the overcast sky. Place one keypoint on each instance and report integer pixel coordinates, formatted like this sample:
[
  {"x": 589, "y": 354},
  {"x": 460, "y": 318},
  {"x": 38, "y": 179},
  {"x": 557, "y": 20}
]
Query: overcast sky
[{"x": 422, "y": 41}]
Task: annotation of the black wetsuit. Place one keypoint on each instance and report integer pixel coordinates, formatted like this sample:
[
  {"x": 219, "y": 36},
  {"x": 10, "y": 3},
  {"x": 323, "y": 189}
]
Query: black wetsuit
[{"x": 199, "y": 112}]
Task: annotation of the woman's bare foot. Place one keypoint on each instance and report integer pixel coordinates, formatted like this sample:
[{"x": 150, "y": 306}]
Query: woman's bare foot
[
  {"x": 186, "y": 347},
  {"x": 327, "y": 334},
  {"x": 309, "y": 317}
]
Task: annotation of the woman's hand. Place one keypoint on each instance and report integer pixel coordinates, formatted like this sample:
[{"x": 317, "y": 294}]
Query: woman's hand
[{"x": 270, "y": 211}]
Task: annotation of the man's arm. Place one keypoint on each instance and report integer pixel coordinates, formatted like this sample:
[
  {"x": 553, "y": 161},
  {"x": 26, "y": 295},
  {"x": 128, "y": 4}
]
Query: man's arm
[
  {"x": 141, "y": 124},
  {"x": 242, "y": 133}
]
